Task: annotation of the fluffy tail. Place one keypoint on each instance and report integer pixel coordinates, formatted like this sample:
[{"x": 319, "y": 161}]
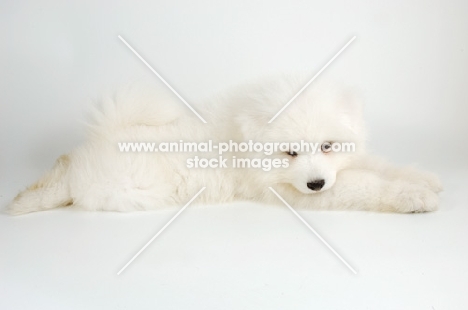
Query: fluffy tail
[
  {"x": 51, "y": 191},
  {"x": 132, "y": 106}
]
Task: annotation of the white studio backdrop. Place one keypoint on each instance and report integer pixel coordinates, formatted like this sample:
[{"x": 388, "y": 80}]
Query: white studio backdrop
[{"x": 410, "y": 63}]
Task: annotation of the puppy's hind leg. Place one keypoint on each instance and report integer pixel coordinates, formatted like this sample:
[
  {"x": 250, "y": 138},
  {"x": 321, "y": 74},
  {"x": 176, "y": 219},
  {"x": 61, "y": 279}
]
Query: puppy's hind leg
[{"x": 51, "y": 191}]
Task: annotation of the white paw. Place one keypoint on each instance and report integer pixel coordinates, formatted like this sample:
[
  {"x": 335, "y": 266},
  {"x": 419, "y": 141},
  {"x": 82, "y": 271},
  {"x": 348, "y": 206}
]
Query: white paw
[
  {"x": 434, "y": 183},
  {"x": 427, "y": 179},
  {"x": 418, "y": 177},
  {"x": 410, "y": 198}
]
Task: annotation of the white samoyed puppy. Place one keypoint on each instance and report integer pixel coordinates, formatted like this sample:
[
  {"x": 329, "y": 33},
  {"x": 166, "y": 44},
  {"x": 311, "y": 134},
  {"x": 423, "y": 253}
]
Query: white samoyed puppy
[{"x": 99, "y": 176}]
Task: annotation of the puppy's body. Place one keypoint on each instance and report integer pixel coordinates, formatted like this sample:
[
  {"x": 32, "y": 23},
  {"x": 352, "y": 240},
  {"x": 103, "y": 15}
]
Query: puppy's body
[{"x": 96, "y": 176}]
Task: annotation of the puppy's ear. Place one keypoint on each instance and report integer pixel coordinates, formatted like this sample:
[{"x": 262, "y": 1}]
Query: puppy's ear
[{"x": 351, "y": 110}]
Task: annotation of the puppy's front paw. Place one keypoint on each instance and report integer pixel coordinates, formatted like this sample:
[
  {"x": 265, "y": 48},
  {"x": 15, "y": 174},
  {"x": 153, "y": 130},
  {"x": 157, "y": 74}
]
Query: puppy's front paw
[
  {"x": 434, "y": 183},
  {"x": 410, "y": 198},
  {"x": 424, "y": 178}
]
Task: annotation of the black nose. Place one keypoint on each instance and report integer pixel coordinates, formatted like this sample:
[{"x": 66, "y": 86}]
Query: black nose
[{"x": 316, "y": 185}]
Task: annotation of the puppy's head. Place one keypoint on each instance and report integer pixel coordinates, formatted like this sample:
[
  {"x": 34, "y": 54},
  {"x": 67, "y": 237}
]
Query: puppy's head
[{"x": 327, "y": 116}]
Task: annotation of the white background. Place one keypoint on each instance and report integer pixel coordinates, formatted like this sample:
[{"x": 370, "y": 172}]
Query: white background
[{"x": 409, "y": 61}]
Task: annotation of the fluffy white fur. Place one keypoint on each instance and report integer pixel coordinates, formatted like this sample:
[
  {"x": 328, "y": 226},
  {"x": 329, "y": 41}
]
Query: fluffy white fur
[{"x": 96, "y": 176}]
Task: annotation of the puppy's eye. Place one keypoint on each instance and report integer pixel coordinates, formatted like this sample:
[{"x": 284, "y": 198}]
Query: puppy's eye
[
  {"x": 326, "y": 147},
  {"x": 293, "y": 154}
]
